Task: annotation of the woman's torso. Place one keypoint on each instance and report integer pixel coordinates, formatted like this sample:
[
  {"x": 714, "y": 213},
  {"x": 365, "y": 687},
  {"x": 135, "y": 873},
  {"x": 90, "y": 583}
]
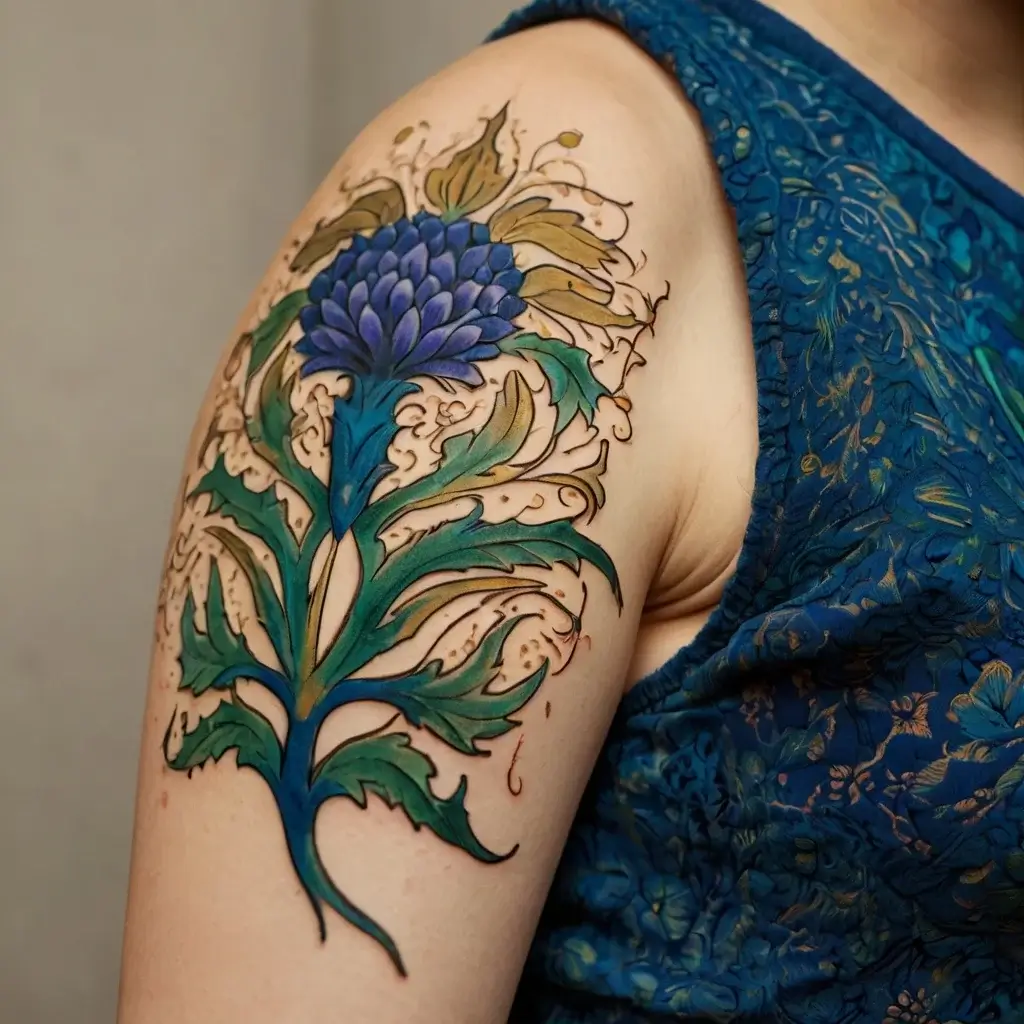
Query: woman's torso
[{"x": 814, "y": 812}]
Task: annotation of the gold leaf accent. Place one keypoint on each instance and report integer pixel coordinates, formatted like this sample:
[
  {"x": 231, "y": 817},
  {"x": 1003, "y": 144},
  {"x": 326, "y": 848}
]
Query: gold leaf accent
[
  {"x": 473, "y": 177},
  {"x": 975, "y": 875},
  {"x": 559, "y": 231},
  {"x": 367, "y": 213},
  {"x": 562, "y": 291},
  {"x": 570, "y": 139},
  {"x": 403, "y": 135},
  {"x": 417, "y": 609},
  {"x": 586, "y": 481}
]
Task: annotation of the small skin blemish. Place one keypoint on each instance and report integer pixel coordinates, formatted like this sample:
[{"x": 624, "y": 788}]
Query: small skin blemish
[
  {"x": 163, "y": 799},
  {"x": 547, "y": 709}
]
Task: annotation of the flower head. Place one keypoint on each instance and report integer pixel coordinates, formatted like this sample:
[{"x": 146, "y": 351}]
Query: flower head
[{"x": 416, "y": 297}]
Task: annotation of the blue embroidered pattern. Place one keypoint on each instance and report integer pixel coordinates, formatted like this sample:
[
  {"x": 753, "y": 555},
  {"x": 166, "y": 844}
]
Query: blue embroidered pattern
[{"x": 815, "y": 813}]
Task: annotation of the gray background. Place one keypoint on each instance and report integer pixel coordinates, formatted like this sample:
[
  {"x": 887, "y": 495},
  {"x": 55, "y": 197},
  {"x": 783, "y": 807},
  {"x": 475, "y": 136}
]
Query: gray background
[{"x": 152, "y": 155}]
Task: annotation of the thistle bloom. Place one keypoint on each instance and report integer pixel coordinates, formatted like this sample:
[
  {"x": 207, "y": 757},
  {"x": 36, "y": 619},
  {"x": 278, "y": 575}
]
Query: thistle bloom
[{"x": 417, "y": 297}]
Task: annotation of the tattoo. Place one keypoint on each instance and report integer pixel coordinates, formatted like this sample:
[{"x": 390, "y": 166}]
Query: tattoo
[{"x": 418, "y": 431}]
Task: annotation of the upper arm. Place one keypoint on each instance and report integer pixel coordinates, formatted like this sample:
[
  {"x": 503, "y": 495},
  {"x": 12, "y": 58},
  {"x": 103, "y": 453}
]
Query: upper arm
[{"x": 421, "y": 511}]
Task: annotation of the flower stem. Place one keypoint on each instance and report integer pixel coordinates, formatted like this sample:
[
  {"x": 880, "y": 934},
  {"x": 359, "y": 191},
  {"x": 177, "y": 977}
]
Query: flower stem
[{"x": 307, "y": 686}]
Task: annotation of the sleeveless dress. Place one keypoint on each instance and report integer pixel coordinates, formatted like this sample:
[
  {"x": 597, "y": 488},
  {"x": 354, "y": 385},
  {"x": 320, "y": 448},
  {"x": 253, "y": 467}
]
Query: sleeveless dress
[{"x": 814, "y": 813}]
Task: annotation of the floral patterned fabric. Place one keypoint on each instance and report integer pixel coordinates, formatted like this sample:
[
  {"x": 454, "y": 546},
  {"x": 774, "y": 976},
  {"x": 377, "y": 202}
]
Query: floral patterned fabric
[{"x": 814, "y": 814}]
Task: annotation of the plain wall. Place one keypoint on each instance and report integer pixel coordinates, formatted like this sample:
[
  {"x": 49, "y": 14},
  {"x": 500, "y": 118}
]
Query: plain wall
[{"x": 152, "y": 154}]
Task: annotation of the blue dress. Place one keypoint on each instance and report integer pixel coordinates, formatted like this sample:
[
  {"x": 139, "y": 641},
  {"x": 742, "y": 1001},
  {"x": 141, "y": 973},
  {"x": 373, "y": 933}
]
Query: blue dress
[{"x": 814, "y": 814}]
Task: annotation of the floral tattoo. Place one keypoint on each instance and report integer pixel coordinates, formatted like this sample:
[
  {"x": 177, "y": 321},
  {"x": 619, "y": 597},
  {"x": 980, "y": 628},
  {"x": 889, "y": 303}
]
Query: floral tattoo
[{"x": 421, "y": 421}]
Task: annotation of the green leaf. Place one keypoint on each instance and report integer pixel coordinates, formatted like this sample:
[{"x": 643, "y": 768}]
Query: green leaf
[
  {"x": 469, "y": 462},
  {"x": 472, "y": 543},
  {"x": 574, "y": 388},
  {"x": 260, "y": 513},
  {"x": 233, "y": 726},
  {"x": 269, "y": 429},
  {"x": 389, "y": 767},
  {"x": 459, "y": 706},
  {"x": 263, "y": 515},
  {"x": 205, "y": 656},
  {"x": 269, "y": 333},
  {"x": 268, "y": 606}
]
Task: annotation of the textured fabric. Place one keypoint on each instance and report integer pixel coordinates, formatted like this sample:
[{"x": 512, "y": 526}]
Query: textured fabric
[{"x": 815, "y": 812}]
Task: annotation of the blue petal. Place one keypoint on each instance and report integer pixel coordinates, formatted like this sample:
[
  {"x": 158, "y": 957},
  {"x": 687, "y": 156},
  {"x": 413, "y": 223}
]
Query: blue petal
[
  {"x": 371, "y": 279},
  {"x": 431, "y": 343},
  {"x": 437, "y": 310},
  {"x": 453, "y": 369},
  {"x": 500, "y": 257},
  {"x": 479, "y": 352},
  {"x": 490, "y": 297},
  {"x": 358, "y": 298},
  {"x": 483, "y": 275},
  {"x": 443, "y": 268},
  {"x": 401, "y": 298},
  {"x": 327, "y": 340},
  {"x": 384, "y": 238},
  {"x": 343, "y": 264},
  {"x": 510, "y": 307},
  {"x": 460, "y": 340},
  {"x": 472, "y": 260},
  {"x": 309, "y": 317},
  {"x": 388, "y": 262},
  {"x": 371, "y": 330},
  {"x": 407, "y": 333},
  {"x": 458, "y": 235},
  {"x": 414, "y": 263},
  {"x": 320, "y": 287},
  {"x": 480, "y": 234},
  {"x": 334, "y": 316},
  {"x": 407, "y": 240},
  {"x": 432, "y": 232},
  {"x": 427, "y": 290},
  {"x": 367, "y": 261},
  {"x": 340, "y": 294},
  {"x": 465, "y": 297},
  {"x": 511, "y": 280},
  {"x": 382, "y": 292},
  {"x": 494, "y": 328}
]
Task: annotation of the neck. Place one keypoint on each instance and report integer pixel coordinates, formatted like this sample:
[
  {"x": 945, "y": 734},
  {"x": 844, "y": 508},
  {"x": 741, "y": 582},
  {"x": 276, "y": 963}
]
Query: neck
[{"x": 954, "y": 63}]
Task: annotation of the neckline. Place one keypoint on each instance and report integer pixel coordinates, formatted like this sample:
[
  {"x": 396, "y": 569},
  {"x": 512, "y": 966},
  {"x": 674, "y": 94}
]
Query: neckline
[{"x": 797, "y": 41}]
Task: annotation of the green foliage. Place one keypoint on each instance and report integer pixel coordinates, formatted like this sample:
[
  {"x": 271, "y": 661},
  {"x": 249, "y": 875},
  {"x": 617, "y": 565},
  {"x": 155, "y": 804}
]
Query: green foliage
[
  {"x": 473, "y": 543},
  {"x": 574, "y": 388},
  {"x": 460, "y": 706},
  {"x": 233, "y": 726},
  {"x": 391, "y": 768},
  {"x": 269, "y": 429},
  {"x": 269, "y": 333},
  {"x": 206, "y": 656}
]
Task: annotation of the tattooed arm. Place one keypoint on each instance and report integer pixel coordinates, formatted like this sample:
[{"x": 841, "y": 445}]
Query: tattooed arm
[{"x": 425, "y": 501}]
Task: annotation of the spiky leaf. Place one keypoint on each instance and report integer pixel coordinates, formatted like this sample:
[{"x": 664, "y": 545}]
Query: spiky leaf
[
  {"x": 268, "y": 606},
  {"x": 206, "y": 655},
  {"x": 267, "y": 336},
  {"x": 367, "y": 213},
  {"x": 260, "y": 513},
  {"x": 459, "y": 706},
  {"x": 574, "y": 388},
  {"x": 559, "y": 231},
  {"x": 558, "y": 290},
  {"x": 470, "y": 462},
  {"x": 472, "y": 543},
  {"x": 473, "y": 177},
  {"x": 233, "y": 726},
  {"x": 269, "y": 429},
  {"x": 389, "y": 767}
]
